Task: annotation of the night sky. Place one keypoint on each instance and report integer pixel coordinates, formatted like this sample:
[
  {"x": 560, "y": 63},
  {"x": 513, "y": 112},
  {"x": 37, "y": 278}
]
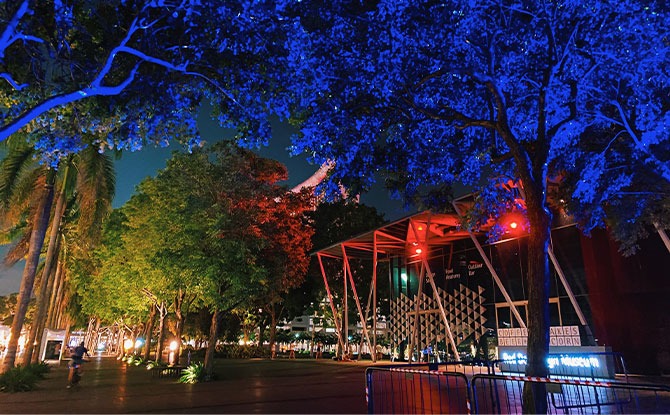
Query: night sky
[{"x": 132, "y": 168}]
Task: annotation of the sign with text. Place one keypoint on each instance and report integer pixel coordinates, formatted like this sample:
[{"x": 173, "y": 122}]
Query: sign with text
[
  {"x": 451, "y": 273},
  {"x": 558, "y": 336},
  {"x": 586, "y": 361}
]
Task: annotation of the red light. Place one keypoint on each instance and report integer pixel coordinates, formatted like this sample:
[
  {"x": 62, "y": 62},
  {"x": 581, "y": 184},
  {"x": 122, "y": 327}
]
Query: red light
[
  {"x": 418, "y": 250},
  {"x": 420, "y": 227},
  {"x": 513, "y": 225}
]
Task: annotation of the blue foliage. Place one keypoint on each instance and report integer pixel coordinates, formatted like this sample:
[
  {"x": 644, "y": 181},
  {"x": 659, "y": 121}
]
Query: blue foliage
[
  {"x": 431, "y": 92},
  {"x": 472, "y": 91}
]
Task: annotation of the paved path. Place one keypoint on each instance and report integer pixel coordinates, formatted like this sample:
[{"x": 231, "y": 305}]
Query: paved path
[{"x": 244, "y": 386}]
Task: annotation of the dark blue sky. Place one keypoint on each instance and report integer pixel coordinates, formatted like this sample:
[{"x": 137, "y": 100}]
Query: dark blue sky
[{"x": 132, "y": 168}]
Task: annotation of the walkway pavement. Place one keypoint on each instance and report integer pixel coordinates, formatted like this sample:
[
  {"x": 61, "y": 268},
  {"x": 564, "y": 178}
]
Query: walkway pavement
[{"x": 244, "y": 386}]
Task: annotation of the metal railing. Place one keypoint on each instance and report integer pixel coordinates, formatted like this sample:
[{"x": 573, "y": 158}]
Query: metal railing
[
  {"x": 401, "y": 390},
  {"x": 500, "y": 394},
  {"x": 481, "y": 387}
]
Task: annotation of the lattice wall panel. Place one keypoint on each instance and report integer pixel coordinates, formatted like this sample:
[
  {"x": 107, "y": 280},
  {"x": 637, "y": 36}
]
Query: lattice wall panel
[{"x": 463, "y": 308}]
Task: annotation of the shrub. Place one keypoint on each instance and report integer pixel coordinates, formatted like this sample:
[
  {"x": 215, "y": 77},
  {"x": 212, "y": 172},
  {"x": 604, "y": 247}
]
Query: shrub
[
  {"x": 151, "y": 364},
  {"x": 193, "y": 374},
  {"x": 39, "y": 369},
  {"x": 19, "y": 379},
  {"x": 236, "y": 351}
]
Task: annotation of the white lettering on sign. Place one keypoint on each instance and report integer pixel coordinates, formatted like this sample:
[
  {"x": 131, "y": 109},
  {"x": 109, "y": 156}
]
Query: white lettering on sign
[
  {"x": 554, "y": 361},
  {"x": 558, "y": 336}
]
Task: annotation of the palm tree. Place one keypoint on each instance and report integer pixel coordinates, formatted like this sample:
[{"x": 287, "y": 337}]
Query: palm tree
[{"x": 93, "y": 187}]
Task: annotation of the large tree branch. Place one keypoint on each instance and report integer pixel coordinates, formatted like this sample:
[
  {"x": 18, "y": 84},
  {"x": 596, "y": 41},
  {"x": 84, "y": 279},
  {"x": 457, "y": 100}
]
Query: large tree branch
[
  {"x": 63, "y": 99},
  {"x": 502, "y": 126},
  {"x": 97, "y": 86}
]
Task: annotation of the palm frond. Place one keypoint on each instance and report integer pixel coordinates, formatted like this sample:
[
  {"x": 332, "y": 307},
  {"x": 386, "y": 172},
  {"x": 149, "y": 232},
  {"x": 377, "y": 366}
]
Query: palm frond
[
  {"x": 25, "y": 197},
  {"x": 96, "y": 183},
  {"x": 18, "y": 251},
  {"x": 15, "y": 166}
]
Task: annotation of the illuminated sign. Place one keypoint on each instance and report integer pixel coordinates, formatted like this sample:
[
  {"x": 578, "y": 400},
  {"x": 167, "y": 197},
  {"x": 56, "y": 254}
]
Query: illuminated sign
[
  {"x": 589, "y": 362},
  {"x": 554, "y": 361}
]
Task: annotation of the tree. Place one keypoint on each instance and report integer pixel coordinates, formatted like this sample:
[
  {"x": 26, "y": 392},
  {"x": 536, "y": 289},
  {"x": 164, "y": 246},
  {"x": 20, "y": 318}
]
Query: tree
[
  {"x": 213, "y": 226},
  {"x": 138, "y": 70},
  {"x": 486, "y": 92},
  {"x": 287, "y": 235},
  {"x": 261, "y": 221}
]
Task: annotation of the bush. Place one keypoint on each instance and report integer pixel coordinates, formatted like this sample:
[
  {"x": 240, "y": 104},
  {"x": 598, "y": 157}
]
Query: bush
[
  {"x": 39, "y": 369},
  {"x": 151, "y": 364},
  {"x": 193, "y": 374},
  {"x": 236, "y": 351},
  {"x": 20, "y": 379}
]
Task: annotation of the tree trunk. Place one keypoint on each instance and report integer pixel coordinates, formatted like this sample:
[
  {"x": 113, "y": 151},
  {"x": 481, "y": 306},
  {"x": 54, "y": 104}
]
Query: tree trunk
[
  {"x": 273, "y": 331},
  {"x": 48, "y": 275},
  {"x": 40, "y": 320},
  {"x": 161, "y": 331},
  {"x": 534, "y": 394},
  {"x": 179, "y": 323},
  {"x": 66, "y": 340},
  {"x": 51, "y": 312},
  {"x": 59, "y": 299},
  {"x": 211, "y": 345},
  {"x": 28, "y": 277},
  {"x": 149, "y": 333}
]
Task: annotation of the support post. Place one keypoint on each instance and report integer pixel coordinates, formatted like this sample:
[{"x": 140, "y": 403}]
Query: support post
[
  {"x": 494, "y": 274},
  {"x": 353, "y": 291},
  {"x": 571, "y": 295},
  {"x": 374, "y": 297},
  {"x": 332, "y": 303},
  {"x": 663, "y": 235},
  {"x": 429, "y": 272},
  {"x": 345, "y": 317},
  {"x": 450, "y": 334},
  {"x": 414, "y": 336}
]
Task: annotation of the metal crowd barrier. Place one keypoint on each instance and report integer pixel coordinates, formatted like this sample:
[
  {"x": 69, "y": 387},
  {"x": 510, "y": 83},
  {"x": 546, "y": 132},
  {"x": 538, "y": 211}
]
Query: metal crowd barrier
[
  {"x": 476, "y": 388},
  {"x": 403, "y": 390},
  {"x": 500, "y": 394}
]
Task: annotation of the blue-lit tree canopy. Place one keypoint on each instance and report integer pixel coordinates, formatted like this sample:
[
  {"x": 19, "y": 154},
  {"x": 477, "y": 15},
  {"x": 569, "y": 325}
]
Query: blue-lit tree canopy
[
  {"x": 137, "y": 71},
  {"x": 484, "y": 92}
]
